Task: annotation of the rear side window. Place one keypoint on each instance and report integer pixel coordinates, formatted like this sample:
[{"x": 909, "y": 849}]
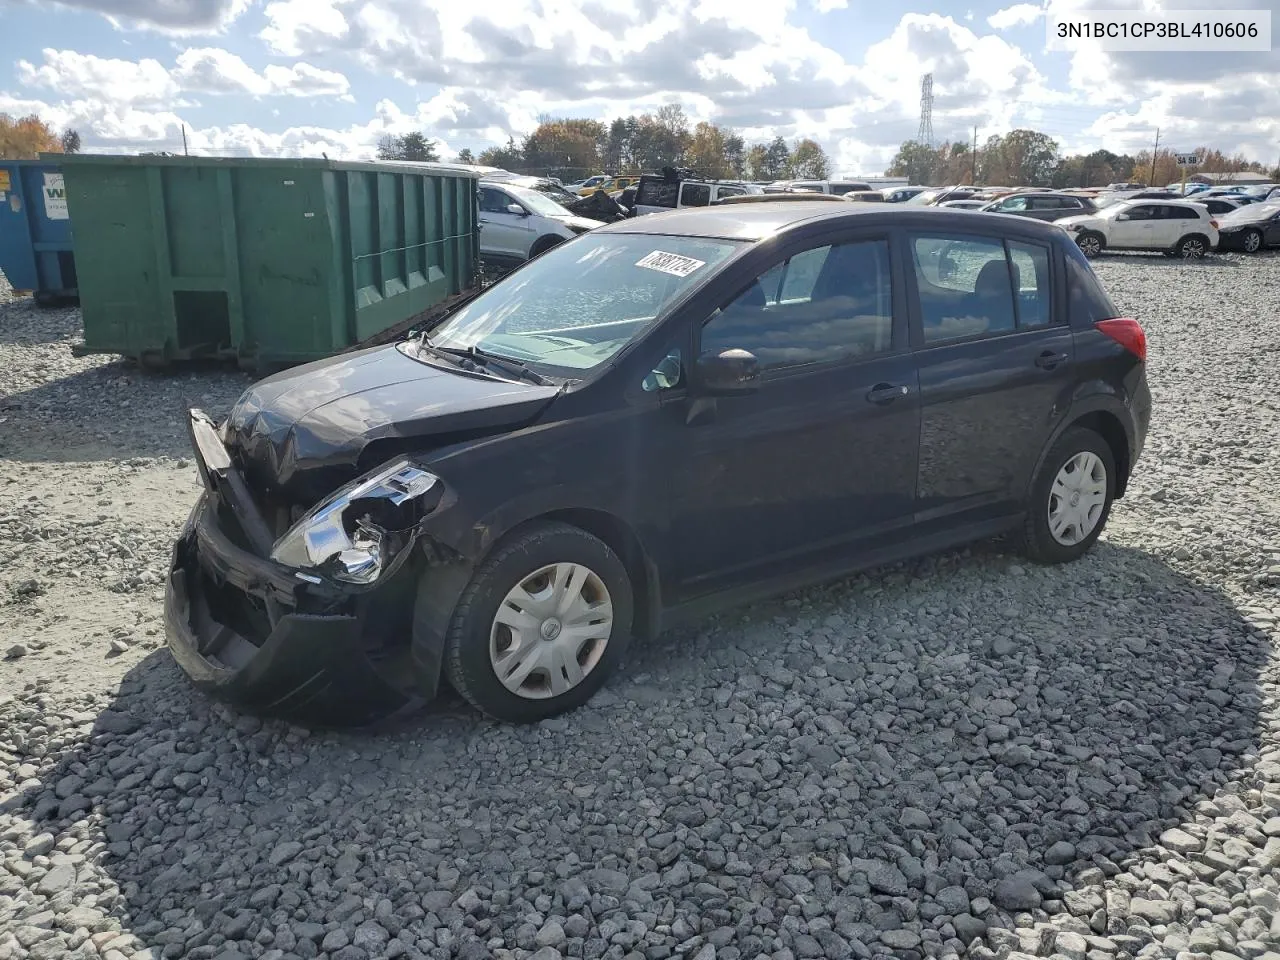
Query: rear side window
[
  {"x": 1030, "y": 284},
  {"x": 1181, "y": 213},
  {"x": 978, "y": 286},
  {"x": 1085, "y": 296},
  {"x": 695, "y": 195},
  {"x": 658, "y": 193}
]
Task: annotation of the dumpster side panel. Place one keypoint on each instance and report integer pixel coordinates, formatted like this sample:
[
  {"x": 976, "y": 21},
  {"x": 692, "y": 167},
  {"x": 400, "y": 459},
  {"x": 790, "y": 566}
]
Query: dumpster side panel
[
  {"x": 118, "y": 262},
  {"x": 282, "y": 228},
  {"x": 35, "y": 229}
]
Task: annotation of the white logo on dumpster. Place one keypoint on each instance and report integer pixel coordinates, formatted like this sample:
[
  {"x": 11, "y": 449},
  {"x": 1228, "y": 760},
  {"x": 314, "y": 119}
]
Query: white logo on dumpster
[
  {"x": 671, "y": 263},
  {"x": 55, "y": 197}
]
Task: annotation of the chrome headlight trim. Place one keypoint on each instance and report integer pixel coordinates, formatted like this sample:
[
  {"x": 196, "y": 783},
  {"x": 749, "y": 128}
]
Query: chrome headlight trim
[{"x": 321, "y": 538}]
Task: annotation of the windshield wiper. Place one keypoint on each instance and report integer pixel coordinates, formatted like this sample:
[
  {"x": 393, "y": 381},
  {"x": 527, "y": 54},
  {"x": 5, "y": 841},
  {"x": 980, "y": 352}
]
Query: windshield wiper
[{"x": 509, "y": 365}]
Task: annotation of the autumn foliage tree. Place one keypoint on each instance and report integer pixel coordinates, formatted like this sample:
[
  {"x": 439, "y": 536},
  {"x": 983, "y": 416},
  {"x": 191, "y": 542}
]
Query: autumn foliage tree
[{"x": 25, "y": 138}]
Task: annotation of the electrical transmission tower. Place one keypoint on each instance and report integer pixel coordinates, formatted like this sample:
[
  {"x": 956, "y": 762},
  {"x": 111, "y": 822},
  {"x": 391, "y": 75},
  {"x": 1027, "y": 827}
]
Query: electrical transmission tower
[{"x": 925, "y": 135}]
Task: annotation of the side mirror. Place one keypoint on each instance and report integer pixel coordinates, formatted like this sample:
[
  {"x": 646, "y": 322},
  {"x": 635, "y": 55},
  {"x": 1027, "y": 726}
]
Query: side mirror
[
  {"x": 728, "y": 373},
  {"x": 518, "y": 210},
  {"x": 1123, "y": 216}
]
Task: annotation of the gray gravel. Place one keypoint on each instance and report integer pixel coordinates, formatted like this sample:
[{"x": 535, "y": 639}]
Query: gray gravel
[{"x": 961, "y": 756}]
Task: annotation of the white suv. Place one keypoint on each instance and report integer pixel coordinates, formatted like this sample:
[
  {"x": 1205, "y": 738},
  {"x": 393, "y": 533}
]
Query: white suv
[
  {"x": 1178, "y": 228},
  {"x": 517, "y": 223}
]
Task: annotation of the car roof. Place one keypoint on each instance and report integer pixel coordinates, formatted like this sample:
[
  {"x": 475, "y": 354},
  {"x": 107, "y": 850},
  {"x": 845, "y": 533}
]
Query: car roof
[{"x": 756, "y": 221}]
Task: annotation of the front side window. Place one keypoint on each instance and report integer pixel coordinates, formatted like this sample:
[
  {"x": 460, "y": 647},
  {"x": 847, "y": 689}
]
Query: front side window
[
  {"x": 833, "y": 302},
  {"x": 975, "y": 286},
  {"x": 579, "y": 304},
  {"x": 1014, "y": 203},
  {"x": 493, "y": 201}
]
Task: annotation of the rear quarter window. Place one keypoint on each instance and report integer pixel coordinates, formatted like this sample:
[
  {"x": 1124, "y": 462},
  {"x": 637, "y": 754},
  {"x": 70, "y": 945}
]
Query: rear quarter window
[{"x": 1087, "y": 300}]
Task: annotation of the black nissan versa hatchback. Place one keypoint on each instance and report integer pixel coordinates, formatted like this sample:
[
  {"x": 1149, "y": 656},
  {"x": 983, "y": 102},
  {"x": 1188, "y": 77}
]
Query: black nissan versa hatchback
[{"x": 663, "y": 415}]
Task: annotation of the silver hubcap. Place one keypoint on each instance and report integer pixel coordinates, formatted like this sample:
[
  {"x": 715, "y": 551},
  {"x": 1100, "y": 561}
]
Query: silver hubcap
[
  {"x": 1192, "y": 249},
  {"x": 1089, "y": 245},
  {"x": 1077, "y": 497},
  {"x": 1252, "y": 242},
  {"x": 551, "y": 630}
]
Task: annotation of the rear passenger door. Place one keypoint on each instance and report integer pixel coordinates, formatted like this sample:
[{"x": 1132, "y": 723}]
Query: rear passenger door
[{"x": 994, "y": 355}]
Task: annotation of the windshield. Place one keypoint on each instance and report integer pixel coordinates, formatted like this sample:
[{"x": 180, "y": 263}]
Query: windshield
[
  {"x": 578, "y": 304},
  {"x": 1254, "y": 211},
  {"x": 538, "y": 202},
  {"x": 920, "y": 199}
]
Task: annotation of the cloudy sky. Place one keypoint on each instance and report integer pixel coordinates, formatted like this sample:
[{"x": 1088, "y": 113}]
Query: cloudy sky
[{"x": 301, "y": 77}]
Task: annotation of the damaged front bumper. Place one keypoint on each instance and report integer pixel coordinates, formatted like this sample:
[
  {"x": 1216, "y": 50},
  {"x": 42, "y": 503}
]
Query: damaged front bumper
[{"x": 273, "y": 637}]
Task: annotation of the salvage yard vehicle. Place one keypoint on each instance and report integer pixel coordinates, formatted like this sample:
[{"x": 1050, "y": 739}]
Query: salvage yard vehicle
[
  {"x": 1180, "y": 228},
  {"x": 1250, "y": 228},
  {"x": 659, "y": 193},
  {"x": 517, "y": 223},
  {"x": 1042, "y": 205},
  {"x": 658, "y": 418}
]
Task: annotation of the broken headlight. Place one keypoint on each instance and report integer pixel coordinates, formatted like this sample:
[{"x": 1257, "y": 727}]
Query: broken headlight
[{"x": 357, "y": 532}]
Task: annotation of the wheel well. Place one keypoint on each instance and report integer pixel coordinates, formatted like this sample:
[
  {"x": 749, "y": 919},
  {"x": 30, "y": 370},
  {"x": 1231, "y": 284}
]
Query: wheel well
[
  {"x": 544, "y": 243},
  {"x": 622, "y": 540},
  {"x": 1108, "y": 427},
  {"x": 1102, "y": 237},
  {"x": 1191, "y": 236}
]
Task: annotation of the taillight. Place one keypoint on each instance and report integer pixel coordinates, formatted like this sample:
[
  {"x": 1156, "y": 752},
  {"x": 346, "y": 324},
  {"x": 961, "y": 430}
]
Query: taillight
[
  {"x": 1128, "y": 333},
  {"x": 1214, "y": 224}
]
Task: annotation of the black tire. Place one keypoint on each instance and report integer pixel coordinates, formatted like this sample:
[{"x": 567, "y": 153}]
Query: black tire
[
  {"x": 543, "y": 244},
  {"x": 1091, "y": 243},
  {"x": 1036, "y": 538},
  {"x": 1251, "y": 241},
  {"x": 467, "y": 662},
  {"x": 1192, "y": 247}
]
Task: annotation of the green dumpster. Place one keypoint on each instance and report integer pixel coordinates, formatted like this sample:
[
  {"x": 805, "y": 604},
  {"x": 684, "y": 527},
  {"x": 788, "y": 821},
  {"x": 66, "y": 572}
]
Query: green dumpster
[{"x": 269, "y": 262}]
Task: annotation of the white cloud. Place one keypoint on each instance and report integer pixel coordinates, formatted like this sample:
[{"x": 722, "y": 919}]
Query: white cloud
[
  {"x": 1019, "y": 15},
  {"x": 74, "y": 75},
  {"x": 826, "y": 6},
  {"x": 168, "y": 16},
  {"x": 207, "y": 70}
]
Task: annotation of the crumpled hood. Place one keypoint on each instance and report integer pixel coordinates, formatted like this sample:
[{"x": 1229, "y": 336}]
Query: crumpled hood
[{"x": 302, "y": 431}]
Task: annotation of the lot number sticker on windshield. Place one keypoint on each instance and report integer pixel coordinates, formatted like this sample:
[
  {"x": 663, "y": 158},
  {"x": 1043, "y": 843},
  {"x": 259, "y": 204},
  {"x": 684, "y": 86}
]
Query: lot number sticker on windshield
[{"x": 671, "y": 263}]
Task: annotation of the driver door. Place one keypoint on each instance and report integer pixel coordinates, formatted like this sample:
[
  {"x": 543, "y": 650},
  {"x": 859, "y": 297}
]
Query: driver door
[
  {"x": 502, "y": 232},
  {"x": 820, "y": 461}
]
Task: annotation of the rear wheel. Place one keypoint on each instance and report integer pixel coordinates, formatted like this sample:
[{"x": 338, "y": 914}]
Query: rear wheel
[
  {"x": 541, "y": 625},
  {"x": 1193, "y": 247},
  {"x": 1070, "y": 498},
  {"x": 1252, "y": 241},
  {"x": 1090, "y": 243}
]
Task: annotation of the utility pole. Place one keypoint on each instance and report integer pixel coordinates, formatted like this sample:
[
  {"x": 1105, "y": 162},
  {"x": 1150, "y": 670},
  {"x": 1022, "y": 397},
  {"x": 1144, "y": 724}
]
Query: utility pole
[
  {"x": 973, "y": 161},
  {"x": 1154, "y": 150},
  {"x": 184, "y": 140}
]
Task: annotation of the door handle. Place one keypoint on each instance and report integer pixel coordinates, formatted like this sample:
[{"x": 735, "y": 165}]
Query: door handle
[
  {"x": 1048, "y": 360},
  {"x": 886, "y": 393}
]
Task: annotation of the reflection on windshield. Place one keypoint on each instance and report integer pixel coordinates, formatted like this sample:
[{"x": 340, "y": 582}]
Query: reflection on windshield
[{"x": 577, "y": 305}]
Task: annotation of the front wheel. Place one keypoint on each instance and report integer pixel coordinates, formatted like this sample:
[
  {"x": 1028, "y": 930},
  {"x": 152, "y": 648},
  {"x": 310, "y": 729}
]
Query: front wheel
[
  {"x": 1070, "y": 498},
  {"x": 1252, "y": 241},
  {"x": 543, "y": 622}
]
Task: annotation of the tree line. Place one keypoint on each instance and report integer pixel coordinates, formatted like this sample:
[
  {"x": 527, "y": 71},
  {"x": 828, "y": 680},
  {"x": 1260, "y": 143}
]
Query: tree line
[
  {"x": 1031, "y": 158},
  {"x": 577, "y": 148},
  {"x": 25, "y": 138}
]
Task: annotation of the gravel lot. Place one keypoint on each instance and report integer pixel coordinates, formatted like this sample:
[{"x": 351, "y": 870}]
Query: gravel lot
[{"x": 962, "y": 756}]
